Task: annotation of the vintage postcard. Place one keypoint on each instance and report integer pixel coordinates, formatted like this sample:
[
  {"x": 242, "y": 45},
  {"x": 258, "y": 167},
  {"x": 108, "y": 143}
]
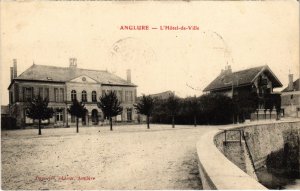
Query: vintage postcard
[{"x": 138, "y": 95}]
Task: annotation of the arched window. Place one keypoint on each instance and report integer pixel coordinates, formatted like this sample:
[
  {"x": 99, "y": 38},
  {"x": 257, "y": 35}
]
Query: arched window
[
  {"x": 73, "y": 95},
  {"x": 94, "y": 96},
  {"x": 83, "y": 96}
]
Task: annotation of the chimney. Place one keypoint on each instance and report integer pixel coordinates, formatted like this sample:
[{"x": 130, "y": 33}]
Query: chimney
[
  {"x": 73, "y": 62},
  {"x": 227, "y": 70},
  {"x": 291, "y": 83},
  {"x": 11, "y": 73},
  {"x": 15, "y": 69},
  {"x": 128, "y": 75}
]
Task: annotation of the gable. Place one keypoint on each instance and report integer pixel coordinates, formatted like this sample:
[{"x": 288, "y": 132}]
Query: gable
[{"x": 84, "y": 79}]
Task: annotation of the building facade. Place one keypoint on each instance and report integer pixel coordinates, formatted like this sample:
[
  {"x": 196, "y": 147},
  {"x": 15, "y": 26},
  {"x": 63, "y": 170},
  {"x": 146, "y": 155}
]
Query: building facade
[
  {"x": 290, "y": 98},
  {"x": 260, "y": 80},
  {"x": 63, "y": 84}
]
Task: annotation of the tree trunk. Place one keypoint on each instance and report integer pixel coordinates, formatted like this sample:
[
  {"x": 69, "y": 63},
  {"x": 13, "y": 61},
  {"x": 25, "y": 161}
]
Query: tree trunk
[
  {"x": 77, "y": 129},
  {"x": 173, "y": 121},
  {"x": 195, "y": 120},
  {"x": 40, "y": 130},
  {"x": 110, "y": 123},
  {"x": 148, "y": 122}
]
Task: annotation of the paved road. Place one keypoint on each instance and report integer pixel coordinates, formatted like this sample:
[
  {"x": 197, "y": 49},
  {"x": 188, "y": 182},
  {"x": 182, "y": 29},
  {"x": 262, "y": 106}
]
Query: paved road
[{"x": 130, "y": 157}]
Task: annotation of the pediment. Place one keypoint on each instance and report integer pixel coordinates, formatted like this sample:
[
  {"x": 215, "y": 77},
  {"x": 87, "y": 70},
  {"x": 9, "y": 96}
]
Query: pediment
[{"x": 84, "y": 79}]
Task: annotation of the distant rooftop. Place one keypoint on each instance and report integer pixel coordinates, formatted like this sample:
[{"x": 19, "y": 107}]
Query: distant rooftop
[{"x": 295, "y": 87}]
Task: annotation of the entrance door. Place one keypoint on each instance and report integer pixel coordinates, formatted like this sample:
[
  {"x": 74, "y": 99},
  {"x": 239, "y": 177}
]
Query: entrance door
[
  {"x": 95, "y": 117},
  {"x": 129, "y": 114}
]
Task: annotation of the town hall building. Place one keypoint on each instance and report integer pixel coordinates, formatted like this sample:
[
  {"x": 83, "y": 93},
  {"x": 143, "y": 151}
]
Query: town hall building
[{"x": 61, "y": 85}]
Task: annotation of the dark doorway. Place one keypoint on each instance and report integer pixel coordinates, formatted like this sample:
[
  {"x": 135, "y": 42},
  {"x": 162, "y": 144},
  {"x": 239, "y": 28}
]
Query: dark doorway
[
  {"x": 129, "y": 114},
  {"x": 95, "y": 117}
]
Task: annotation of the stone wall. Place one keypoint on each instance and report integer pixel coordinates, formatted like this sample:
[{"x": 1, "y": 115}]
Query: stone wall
[
  {"x": 232, "y": 165},
  {"x": 261, "y": 139},
  {"x": 217, "y": 172}
]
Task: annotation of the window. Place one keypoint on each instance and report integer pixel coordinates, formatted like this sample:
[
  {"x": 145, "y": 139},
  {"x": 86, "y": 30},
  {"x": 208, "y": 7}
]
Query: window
[
  {"x": 94, "y": 96},
  {"x": 61, "y": 95},
  {"x": 56, "y": 95},
  {"x": 120, "y": 95},
  {"x": 264, "y": 82},
  {"x": 73, "y": 95},
  {"x": 10, "y": 97},
  {"x": 126, "y": 96},
  {"x": 130, "y": 96},
  {"x": 28, "y": 93},
  {"x": 83, "y": 96},
  {"x": 46, "y": 93},
  {"x": 134, "y": 95},
  {"x": 59, "y": 115},
  {"x": 41, "y": 93}
]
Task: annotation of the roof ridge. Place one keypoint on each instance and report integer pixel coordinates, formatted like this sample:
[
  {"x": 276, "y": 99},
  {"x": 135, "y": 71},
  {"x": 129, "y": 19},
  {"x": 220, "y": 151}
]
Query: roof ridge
[
  {"x": 49, "y": 66},
  {"x": 162, "y": 92},
  {"x": 245, "y": 76},
  {"x": 261, "y": 66},
  {"x": 69, "y": 67}
]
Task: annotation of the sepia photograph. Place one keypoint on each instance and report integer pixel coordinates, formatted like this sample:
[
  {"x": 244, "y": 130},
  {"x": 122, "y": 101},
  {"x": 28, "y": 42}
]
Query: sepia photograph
[{"x": 150, "y": 95}]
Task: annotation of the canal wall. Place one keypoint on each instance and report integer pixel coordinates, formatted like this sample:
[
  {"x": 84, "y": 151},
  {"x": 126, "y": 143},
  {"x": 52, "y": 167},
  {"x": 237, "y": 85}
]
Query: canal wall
[
  {"x": 232, "y": 165},
  {"x": 261, "y": 139}
]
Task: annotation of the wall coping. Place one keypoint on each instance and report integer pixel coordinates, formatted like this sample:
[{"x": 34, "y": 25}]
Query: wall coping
[{"x": 220, "y": 172}]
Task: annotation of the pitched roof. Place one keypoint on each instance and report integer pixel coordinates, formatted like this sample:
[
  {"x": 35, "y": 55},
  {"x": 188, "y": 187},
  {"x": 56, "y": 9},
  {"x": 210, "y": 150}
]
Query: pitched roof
[
  {"x": 241, "y": 78},
  {"x": 295, "y": 85},
  {"x": 65, "y": 74},
  {"x": 163, "y": 94}
]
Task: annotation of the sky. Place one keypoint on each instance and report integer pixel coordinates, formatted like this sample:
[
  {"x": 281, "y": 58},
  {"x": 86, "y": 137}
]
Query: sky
[{"x": 242, "y": 34}]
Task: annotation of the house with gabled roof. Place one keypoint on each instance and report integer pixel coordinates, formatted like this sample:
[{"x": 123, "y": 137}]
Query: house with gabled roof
[
  {"x": 259, "y": 79},
  {"x": 61, "y": 85},
  {"x": 290, "y": 98}
]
